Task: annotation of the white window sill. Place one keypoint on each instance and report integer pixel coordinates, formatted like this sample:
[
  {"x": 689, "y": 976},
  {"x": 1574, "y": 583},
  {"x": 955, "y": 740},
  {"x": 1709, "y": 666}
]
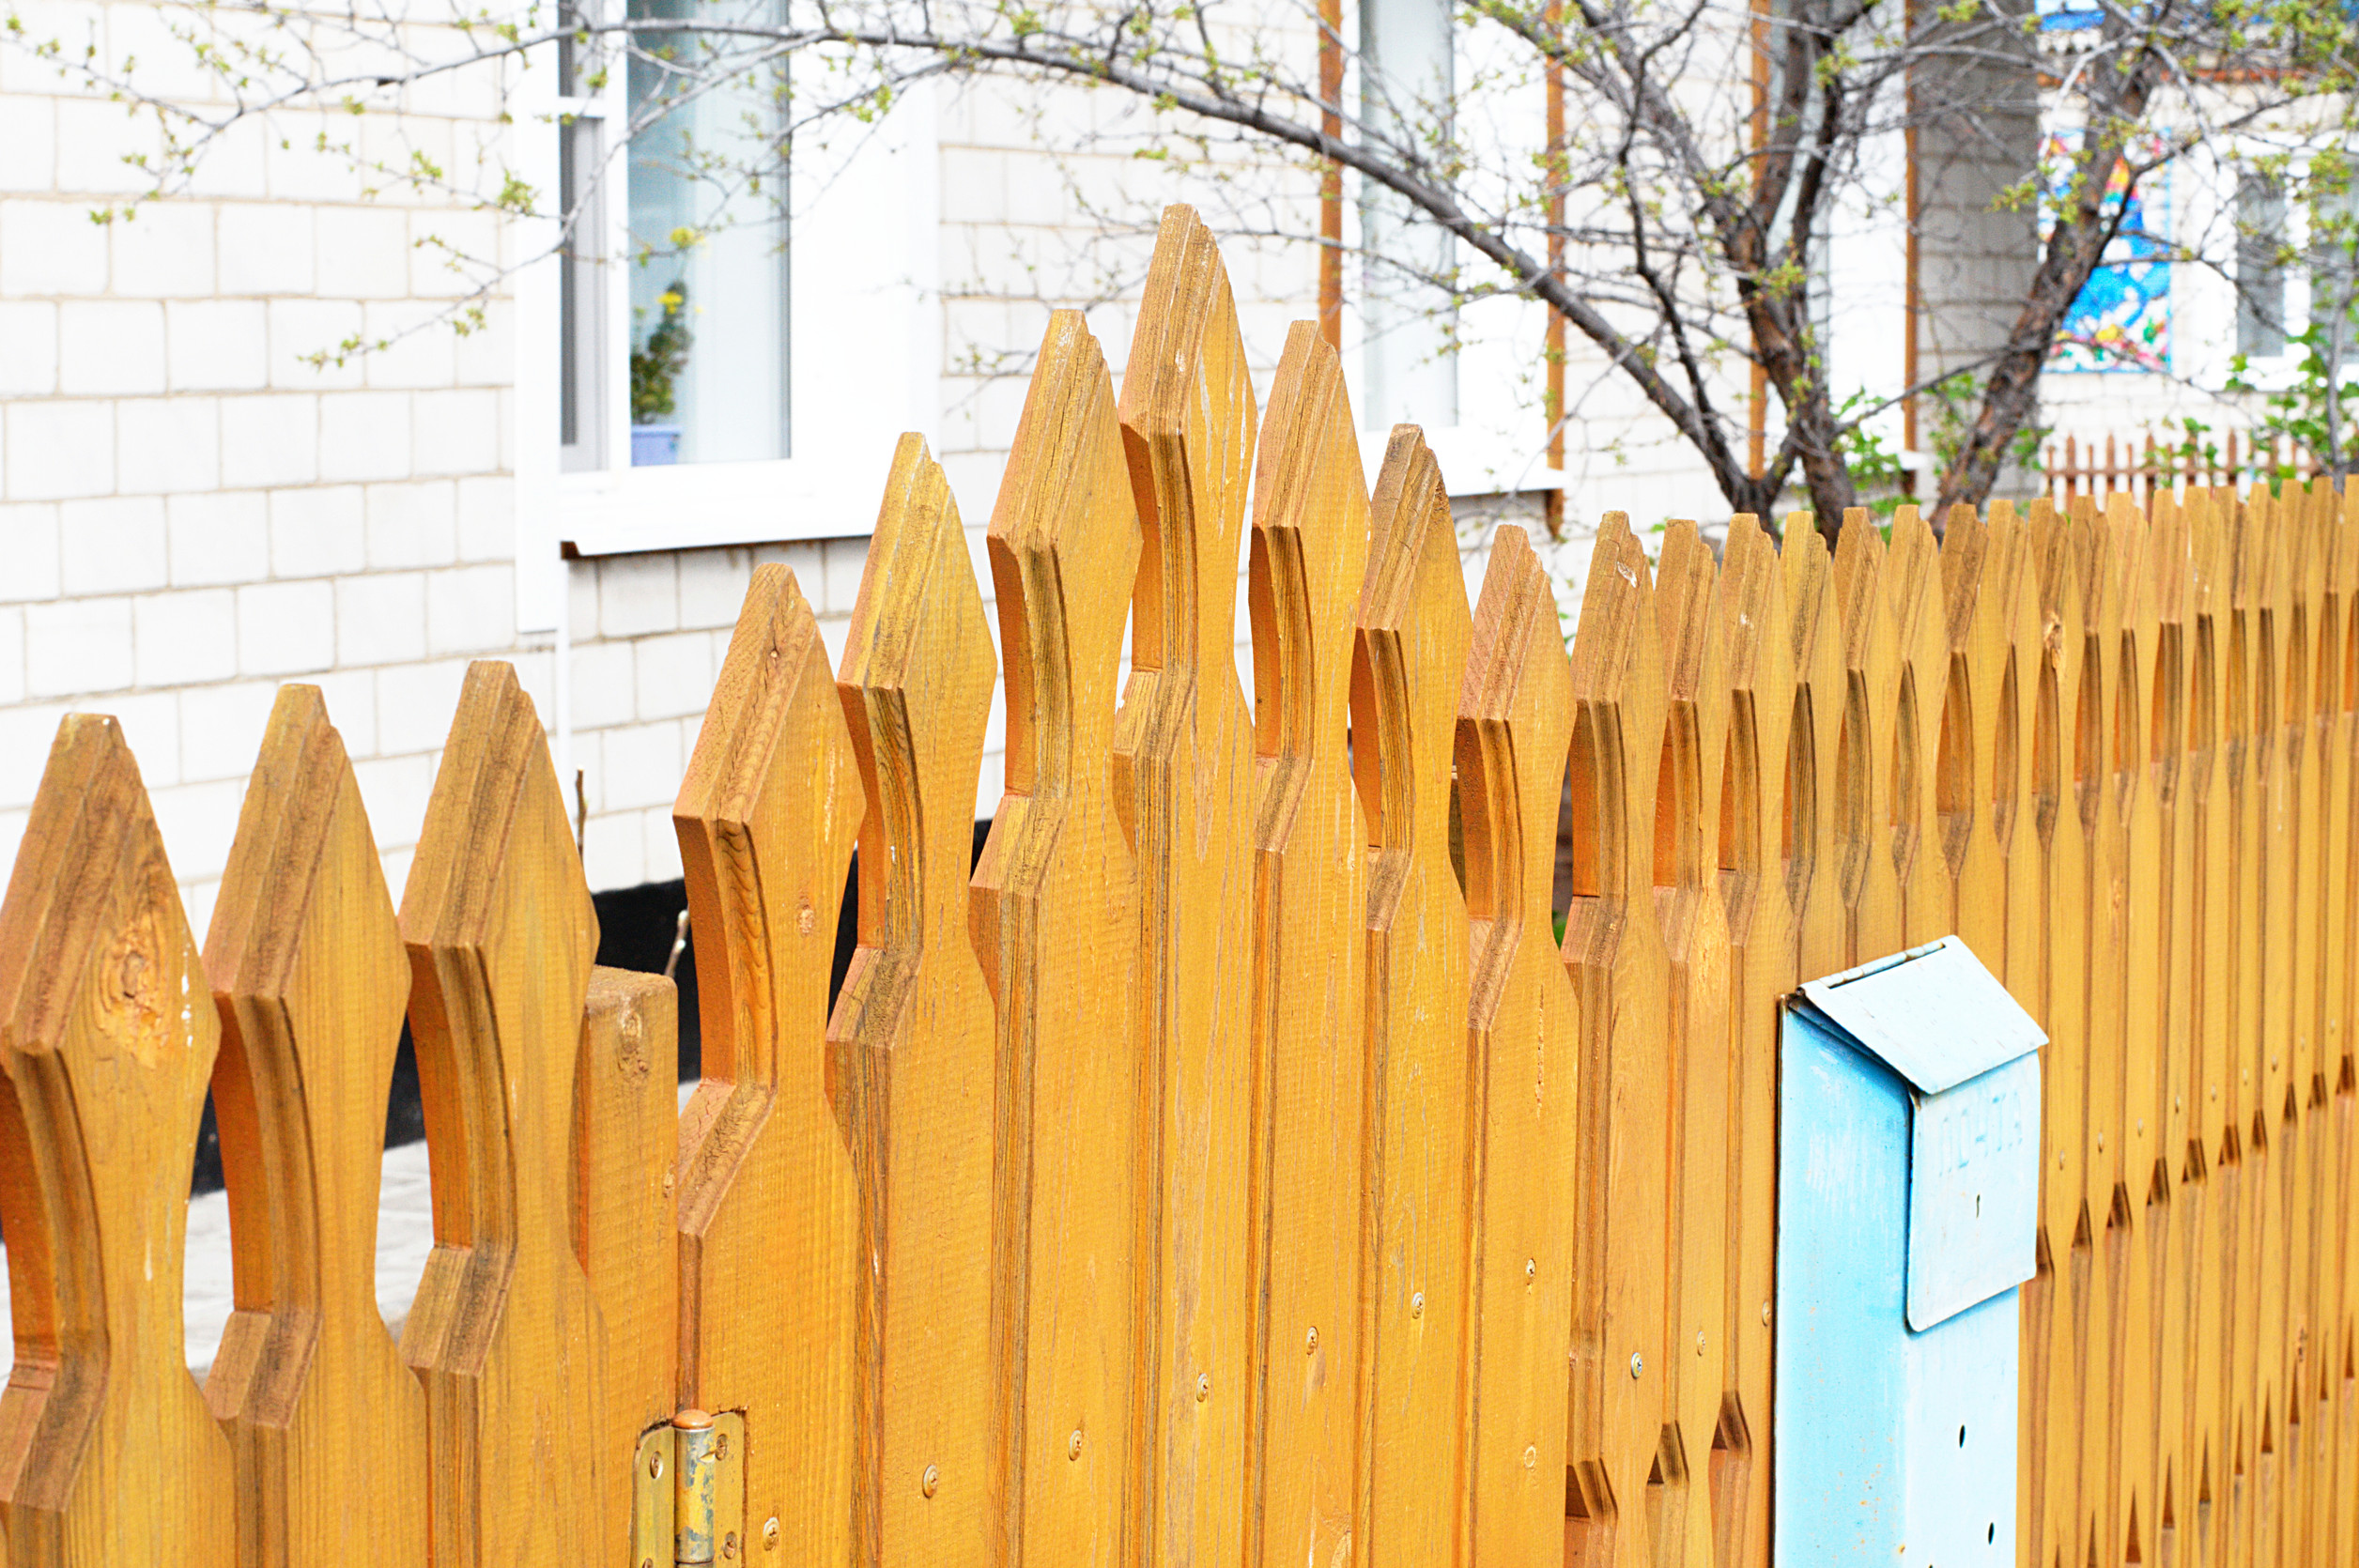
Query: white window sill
[{"x": 692, "y": 506}]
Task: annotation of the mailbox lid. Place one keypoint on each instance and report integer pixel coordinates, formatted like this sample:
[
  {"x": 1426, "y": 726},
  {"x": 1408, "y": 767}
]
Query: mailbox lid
[
  {"x": 1933, "y": 1014},
  {"x": 1944, "y": 1024}
]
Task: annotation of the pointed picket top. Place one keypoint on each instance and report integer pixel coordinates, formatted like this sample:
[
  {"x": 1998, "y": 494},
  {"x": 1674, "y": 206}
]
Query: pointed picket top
[
  {"x": 1757, "y": 653},
  {"x": 1409, "y": 608},
  {"x": 1188, "y": 428},
  {"x": 107, "y": 1452},
  {"x": 1054, "y": 912},
  {"x": 771, "y": 772},
  {"x": 911, "y": 1053},
  {"x": 1066, "y": 529},
  {"x": 1618, "y": 669},
  {"x": 1517, "y": 696},
  {"x": 1413, "y": 631},
  {"x": 311, "y": 979},
  {"x": 1686, "y": 582},
  {"x": 501, "y": 933},
  {"x": 1311, "y": 552}
]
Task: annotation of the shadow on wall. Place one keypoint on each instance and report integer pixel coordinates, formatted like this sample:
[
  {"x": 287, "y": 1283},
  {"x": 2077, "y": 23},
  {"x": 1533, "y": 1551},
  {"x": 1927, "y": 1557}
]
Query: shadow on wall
[{"x": 636, "y": 926}]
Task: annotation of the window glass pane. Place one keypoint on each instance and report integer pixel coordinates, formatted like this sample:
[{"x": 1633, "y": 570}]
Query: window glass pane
[
  {"x": 580, "y": 295},
  {"x": 2260, "y": 210},
  {"x": 708, "y": 264}
]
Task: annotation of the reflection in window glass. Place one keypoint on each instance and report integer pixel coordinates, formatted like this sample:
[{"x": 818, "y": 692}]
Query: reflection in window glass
[{"x": 708, "y": 269}]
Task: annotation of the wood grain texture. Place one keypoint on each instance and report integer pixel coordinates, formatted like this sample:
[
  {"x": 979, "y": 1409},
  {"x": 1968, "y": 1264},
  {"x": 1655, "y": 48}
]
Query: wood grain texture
[
  {"x": 311, "y": 981},
  {"x": 1515, "y": 722},
  {"x": 1912, "y": 584},
  {"x": 769, "y": 1260},
  {"x": 107, "y": 1452},
  {"x": 913, "y": 1067},
  {"x": 626, "y": 1134},
  {"x": 1311, "y": 1108},
  {"x": 500, "y": 934},
  {"x": 1414, "y": 633},
  {"x": 1185, "y": 782},
  {"x": 1806, "y": 814},
  {"x": 1054, "y": 909},
  {"x": 1620, "y": 1218}
]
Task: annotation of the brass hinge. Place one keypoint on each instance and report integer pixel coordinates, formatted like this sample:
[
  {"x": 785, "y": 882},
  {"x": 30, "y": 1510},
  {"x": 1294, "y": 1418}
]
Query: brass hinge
[{"x": 689, "y": 1493}]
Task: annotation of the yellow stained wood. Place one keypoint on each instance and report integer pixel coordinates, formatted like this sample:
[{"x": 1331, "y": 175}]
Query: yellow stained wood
[
  {"x": 310, "y": 979},
  {"x": 1310, "y": 545},
  {"x": 627, "y": 1131},
  {"x": 1410, "y": 654},
  {"x": 1868, "y": 594},
  {"x": 1911, "y": 759},
  {"x": 2212, "y": 1141},
  {"x": 1691, "y": 916},
  {"x": 107, "y": 1454},
  {"x": 912, "y": 1063},
  {"x": 1758, "y": 669},
  {"x": 500, "y": 936},
  {"x": 1619, "y": 1218},
  {"x": 1054, "y": 909},
  {"x": 769, "y": 1260},
  {"x": 1185, "y": 784},
  {"x": 1515, "y": 714}
]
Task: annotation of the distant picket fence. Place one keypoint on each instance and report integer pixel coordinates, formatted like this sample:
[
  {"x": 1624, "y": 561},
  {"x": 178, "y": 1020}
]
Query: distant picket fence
[{"x": 1234, "y": 1167}]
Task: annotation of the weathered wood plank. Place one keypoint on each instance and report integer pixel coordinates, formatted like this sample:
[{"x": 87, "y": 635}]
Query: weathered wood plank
[
  {"x": 310, "y": 978},
  {"x": 1312, "y": 1112},
  {"x": 912, "y": 1063},
  {"x": 1412, "y": 637},
  {"x": 1054, "y": 909},
  {"x": 500, "y": 936},
  {"x": 107, "y": 1452},
  {"x": 1620, "y": 1217},
  {"x": 1185, "y": 783},
  {"x": 769, "y": 1261},
  {"x": 1515, "y": 717}
]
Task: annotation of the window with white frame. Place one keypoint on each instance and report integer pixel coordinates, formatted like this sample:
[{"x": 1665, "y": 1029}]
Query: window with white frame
[{"x": 674, "y": 276}]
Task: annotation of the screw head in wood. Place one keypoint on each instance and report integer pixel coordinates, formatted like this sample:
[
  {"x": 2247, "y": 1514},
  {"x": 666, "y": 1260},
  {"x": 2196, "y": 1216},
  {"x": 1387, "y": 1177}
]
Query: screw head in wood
[
  {"x": 1764, "y": 1311},
  {"x": 1638, "y": 1363},
  {"x": 654, "y": 1467},
  {"x": 1310, "y": 1343},
  {"x": 1531, "y": 1457},
  {"x": 1698, "y": 1341},
  {"x": 1417, "y": 1304},
  {"x": 729, "y": 1545},
  {"x": 1203, "y": 1387},
  {"x": 770, "y": 1534},
  {"x": 1531, "y": 1269},
  {"x": 1072, "y": 1445},
  {"x": 932, "y": 1478},
  {"x": 720, "y": 1445}
]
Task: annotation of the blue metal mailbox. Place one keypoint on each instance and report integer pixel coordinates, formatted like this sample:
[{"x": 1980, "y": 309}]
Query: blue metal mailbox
[{"x": 1908, "y": 1208}]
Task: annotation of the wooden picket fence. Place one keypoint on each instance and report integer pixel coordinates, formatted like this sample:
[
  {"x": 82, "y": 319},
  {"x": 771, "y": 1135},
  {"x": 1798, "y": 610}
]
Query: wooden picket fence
[
  {"x": 2140, "y": 465},
  {"x": 1234, "y": 1168}
]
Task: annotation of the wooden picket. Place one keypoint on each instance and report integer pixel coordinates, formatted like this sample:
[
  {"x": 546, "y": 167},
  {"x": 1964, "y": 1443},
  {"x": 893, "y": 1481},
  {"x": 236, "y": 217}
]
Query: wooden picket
[{"x": 1232, "y": 1165}]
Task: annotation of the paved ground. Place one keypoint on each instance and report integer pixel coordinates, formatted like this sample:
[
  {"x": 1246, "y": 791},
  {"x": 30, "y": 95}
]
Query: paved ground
[{"x": 405, "y": 1233}]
